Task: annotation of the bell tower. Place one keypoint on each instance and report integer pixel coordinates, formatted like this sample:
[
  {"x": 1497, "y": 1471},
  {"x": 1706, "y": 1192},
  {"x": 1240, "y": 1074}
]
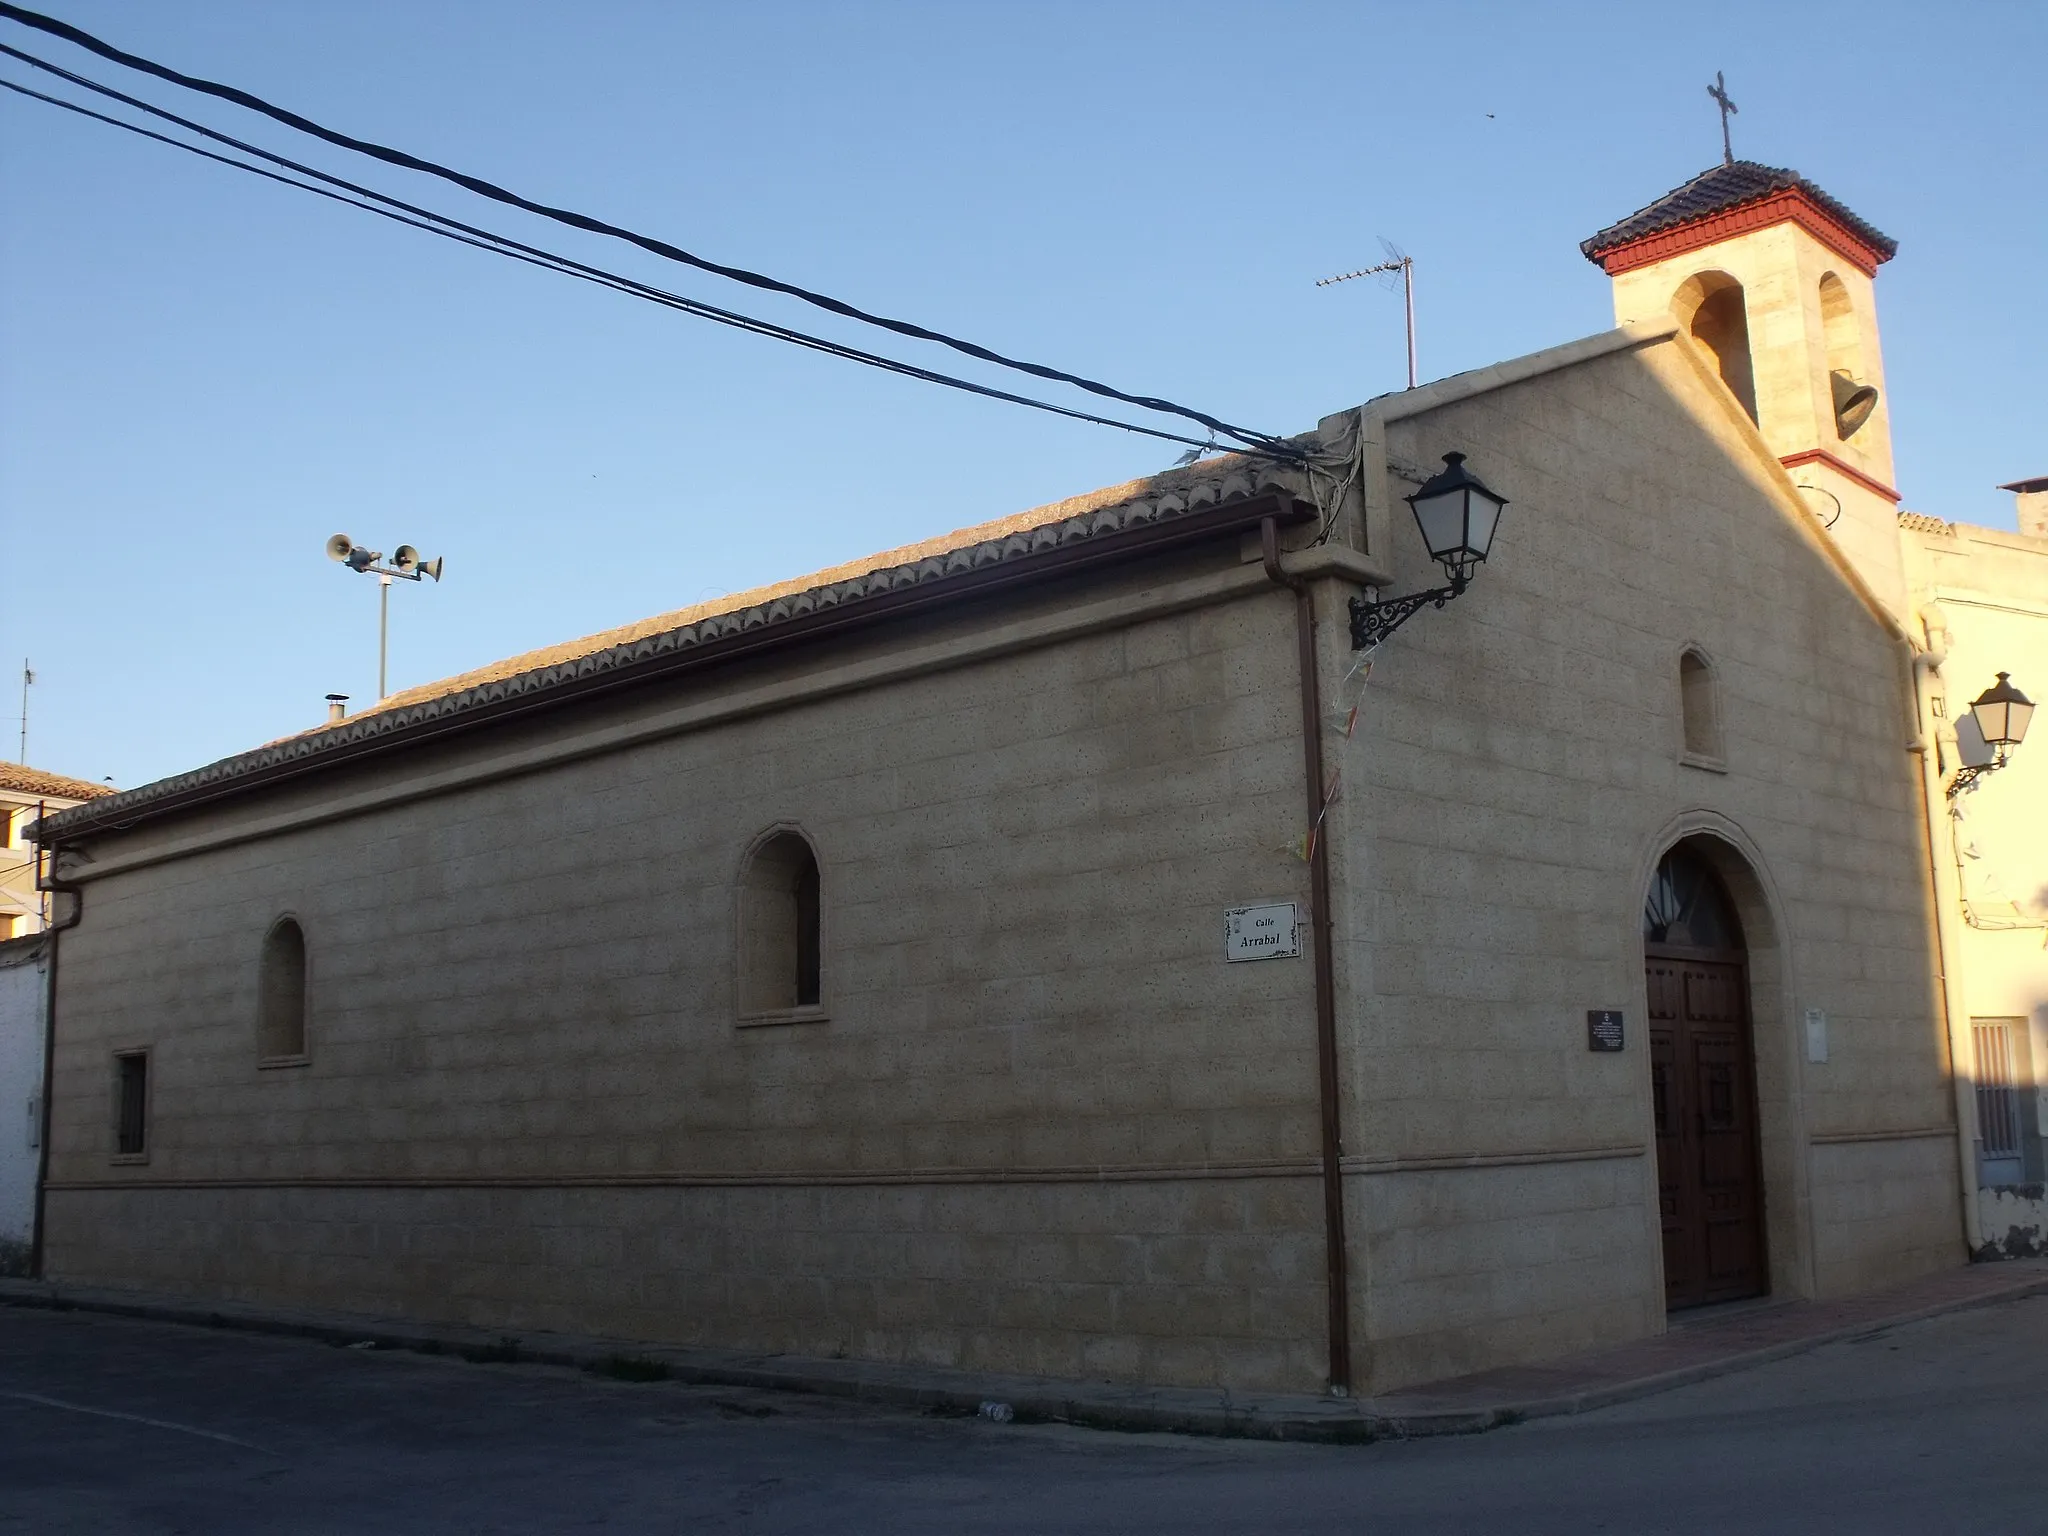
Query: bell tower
[{"x": 1776, "y": 280}]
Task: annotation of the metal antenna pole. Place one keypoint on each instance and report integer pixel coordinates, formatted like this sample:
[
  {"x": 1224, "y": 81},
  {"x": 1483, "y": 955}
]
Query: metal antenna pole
[
  {"x": 383, "y": 629},
  {"x": 27, "y": 677},
  {"x": 1397, "y": 261},
  {"x": 1408, "y": 292}
]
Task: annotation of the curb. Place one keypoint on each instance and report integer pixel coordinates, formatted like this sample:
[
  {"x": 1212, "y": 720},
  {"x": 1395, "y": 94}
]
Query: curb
[
  {"x": 1032, "y": 1399},
  {"x": 1517, "y": 1410},
  {"x": 1103, "y": 1406}
]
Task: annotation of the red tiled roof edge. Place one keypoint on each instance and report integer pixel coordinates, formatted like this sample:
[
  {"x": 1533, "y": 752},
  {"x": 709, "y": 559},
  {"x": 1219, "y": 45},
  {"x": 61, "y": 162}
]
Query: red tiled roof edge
[
  {"x": 1730, "y": 200},
  {"x": 25, "y": 780}
]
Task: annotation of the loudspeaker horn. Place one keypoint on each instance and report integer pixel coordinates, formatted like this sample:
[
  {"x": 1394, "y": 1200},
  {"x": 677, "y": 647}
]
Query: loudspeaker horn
[
  {"x": 405, "y": 559},
  {"x": 1853, "y": 402},
  {"x": 432, "y": 567},
  {"x": 339, "y": 546}
]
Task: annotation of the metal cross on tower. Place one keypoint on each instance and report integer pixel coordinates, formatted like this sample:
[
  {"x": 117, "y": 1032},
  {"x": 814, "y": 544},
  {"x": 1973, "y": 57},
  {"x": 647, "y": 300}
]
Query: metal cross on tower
[{"x": 1719, "y": 91}]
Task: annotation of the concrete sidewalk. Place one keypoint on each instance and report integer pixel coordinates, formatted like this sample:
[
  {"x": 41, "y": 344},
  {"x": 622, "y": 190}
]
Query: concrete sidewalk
[{"x": 1709, "y": 1344}]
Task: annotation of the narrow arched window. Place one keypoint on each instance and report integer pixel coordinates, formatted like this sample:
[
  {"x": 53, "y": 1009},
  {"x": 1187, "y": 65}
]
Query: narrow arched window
[
  {"x": 281, "y": 995},
  {"x": 780, "y": 919},
  {"x": 1711, "y": 307},
  {"x": 1700, "y": 708}
]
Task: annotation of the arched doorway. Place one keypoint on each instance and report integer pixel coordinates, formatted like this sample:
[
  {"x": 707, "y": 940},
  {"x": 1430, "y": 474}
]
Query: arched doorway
[{"x": 1703, "y": 1079}]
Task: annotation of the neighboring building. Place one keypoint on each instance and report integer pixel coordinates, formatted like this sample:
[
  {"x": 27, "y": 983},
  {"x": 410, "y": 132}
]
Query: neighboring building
[
  {"x": 22, "y": 791},
  {"x": 841, "y": 968},
  {"x": 24, "y": 966},
  {"x": 24, "y": 915},
  {"x": 1981, "y": 596}
]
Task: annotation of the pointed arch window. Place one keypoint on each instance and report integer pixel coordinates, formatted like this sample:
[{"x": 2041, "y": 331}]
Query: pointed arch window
[
  {"x": 281, "y": 996},
  {"x": 1699, "y": 707},
  {"x": 781, "y": 923}
]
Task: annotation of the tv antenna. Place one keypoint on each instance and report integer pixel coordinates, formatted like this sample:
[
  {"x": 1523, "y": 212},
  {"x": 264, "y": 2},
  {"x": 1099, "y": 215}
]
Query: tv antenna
[{"x": 1398, "y": 263}]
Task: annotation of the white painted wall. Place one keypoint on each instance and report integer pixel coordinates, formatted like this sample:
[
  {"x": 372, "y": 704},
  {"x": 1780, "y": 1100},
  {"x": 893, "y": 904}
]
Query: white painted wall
[
  {"x": 1988, "y": 590},
  {"x": 21, "y": 1054}
]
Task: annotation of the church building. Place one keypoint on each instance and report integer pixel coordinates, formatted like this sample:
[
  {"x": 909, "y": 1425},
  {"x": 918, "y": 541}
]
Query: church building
[{"x": 1121, "y": 941}]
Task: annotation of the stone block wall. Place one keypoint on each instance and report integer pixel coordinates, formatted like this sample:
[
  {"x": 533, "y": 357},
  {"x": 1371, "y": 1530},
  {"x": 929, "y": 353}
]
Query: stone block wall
[
  {"x": 1177, "y": 1280},
  {"x": 1040, "y": 1125},
  {"x": 1884, "y": 1211},
  {"x": 1515, "y": 776}
]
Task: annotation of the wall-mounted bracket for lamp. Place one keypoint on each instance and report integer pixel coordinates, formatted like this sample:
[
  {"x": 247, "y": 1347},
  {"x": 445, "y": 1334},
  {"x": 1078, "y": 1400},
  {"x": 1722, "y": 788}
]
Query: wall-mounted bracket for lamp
[{"x": 1457, "y": 515}]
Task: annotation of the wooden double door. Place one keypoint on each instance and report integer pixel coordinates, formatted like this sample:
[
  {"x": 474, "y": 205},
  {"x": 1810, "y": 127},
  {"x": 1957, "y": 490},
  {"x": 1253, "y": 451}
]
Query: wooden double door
[{"x": 1703, "y": 1079}]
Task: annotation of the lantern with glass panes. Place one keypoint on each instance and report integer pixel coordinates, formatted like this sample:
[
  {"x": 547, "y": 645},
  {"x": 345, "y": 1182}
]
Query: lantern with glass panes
[
  {"x": 2001, "y": 714},
  {"x": 1457, "y": 514}
]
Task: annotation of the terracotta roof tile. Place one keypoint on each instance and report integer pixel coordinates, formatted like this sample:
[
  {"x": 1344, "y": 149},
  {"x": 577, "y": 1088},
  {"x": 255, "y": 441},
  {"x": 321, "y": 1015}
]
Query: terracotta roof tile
[
  {"x": 1717, "y": 191},
  {"x": 1920, "y": 522},
  {"x": 907, "y": 554},
  {"x": 34, "y": 781}
]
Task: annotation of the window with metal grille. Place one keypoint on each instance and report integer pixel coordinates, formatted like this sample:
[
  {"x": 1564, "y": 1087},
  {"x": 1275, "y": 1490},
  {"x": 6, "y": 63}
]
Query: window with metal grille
[
  {"x": 1998, "y": 1100},
  {"x": 131, "y": 1104}
]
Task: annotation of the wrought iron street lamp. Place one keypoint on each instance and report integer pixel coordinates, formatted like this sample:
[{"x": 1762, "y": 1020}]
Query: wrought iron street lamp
[
  {"x": 1457, "y": 515},
  {"x": 2002, "y": 714}
]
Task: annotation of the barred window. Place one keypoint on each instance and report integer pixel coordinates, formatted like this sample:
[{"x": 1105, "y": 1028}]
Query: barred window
[{"x": 2000, "y": 1106}]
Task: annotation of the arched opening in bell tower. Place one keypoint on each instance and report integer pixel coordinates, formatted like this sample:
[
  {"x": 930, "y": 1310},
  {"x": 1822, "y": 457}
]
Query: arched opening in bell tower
[
  {"x": 1853, "y": 398},
  {"x": 1838, "y": 321},
  {"x": 1711, "y": 307}
]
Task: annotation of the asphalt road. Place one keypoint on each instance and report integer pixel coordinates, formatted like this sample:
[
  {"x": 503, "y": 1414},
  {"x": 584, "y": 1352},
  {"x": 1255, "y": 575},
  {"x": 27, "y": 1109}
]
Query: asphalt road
[{"x": 115, "y": 1427}]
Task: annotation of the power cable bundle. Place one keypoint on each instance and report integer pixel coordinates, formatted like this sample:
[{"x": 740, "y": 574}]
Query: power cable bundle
[{"x": 1243, "y": 439}]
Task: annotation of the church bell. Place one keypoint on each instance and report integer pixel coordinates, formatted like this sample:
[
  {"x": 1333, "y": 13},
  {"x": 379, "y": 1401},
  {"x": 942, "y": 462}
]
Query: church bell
[{"x": 1853, "y": 403}]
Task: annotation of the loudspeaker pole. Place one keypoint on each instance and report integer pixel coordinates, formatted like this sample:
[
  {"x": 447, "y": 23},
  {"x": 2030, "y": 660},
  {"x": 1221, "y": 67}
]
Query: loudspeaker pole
[
  {"x": 383, "y": 630},
  {"x": 406, "y": 563}
]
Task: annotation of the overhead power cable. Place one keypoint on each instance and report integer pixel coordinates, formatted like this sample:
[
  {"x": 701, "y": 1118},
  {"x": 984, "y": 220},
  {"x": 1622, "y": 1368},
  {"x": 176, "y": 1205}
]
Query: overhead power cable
[
  {"x": 466, "y": 234},
  {"x": 574, "y": 220}
]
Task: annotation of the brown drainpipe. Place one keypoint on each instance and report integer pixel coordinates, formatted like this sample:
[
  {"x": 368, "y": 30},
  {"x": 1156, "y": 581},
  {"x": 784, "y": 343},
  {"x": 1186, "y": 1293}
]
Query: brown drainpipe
[
  {"x": 1336, "y": 1262},
  {"x": 51, "y": 883}
]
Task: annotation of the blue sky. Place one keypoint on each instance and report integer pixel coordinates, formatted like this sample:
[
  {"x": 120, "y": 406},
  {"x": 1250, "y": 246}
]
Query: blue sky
[{"x": 202, "y": 376}]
